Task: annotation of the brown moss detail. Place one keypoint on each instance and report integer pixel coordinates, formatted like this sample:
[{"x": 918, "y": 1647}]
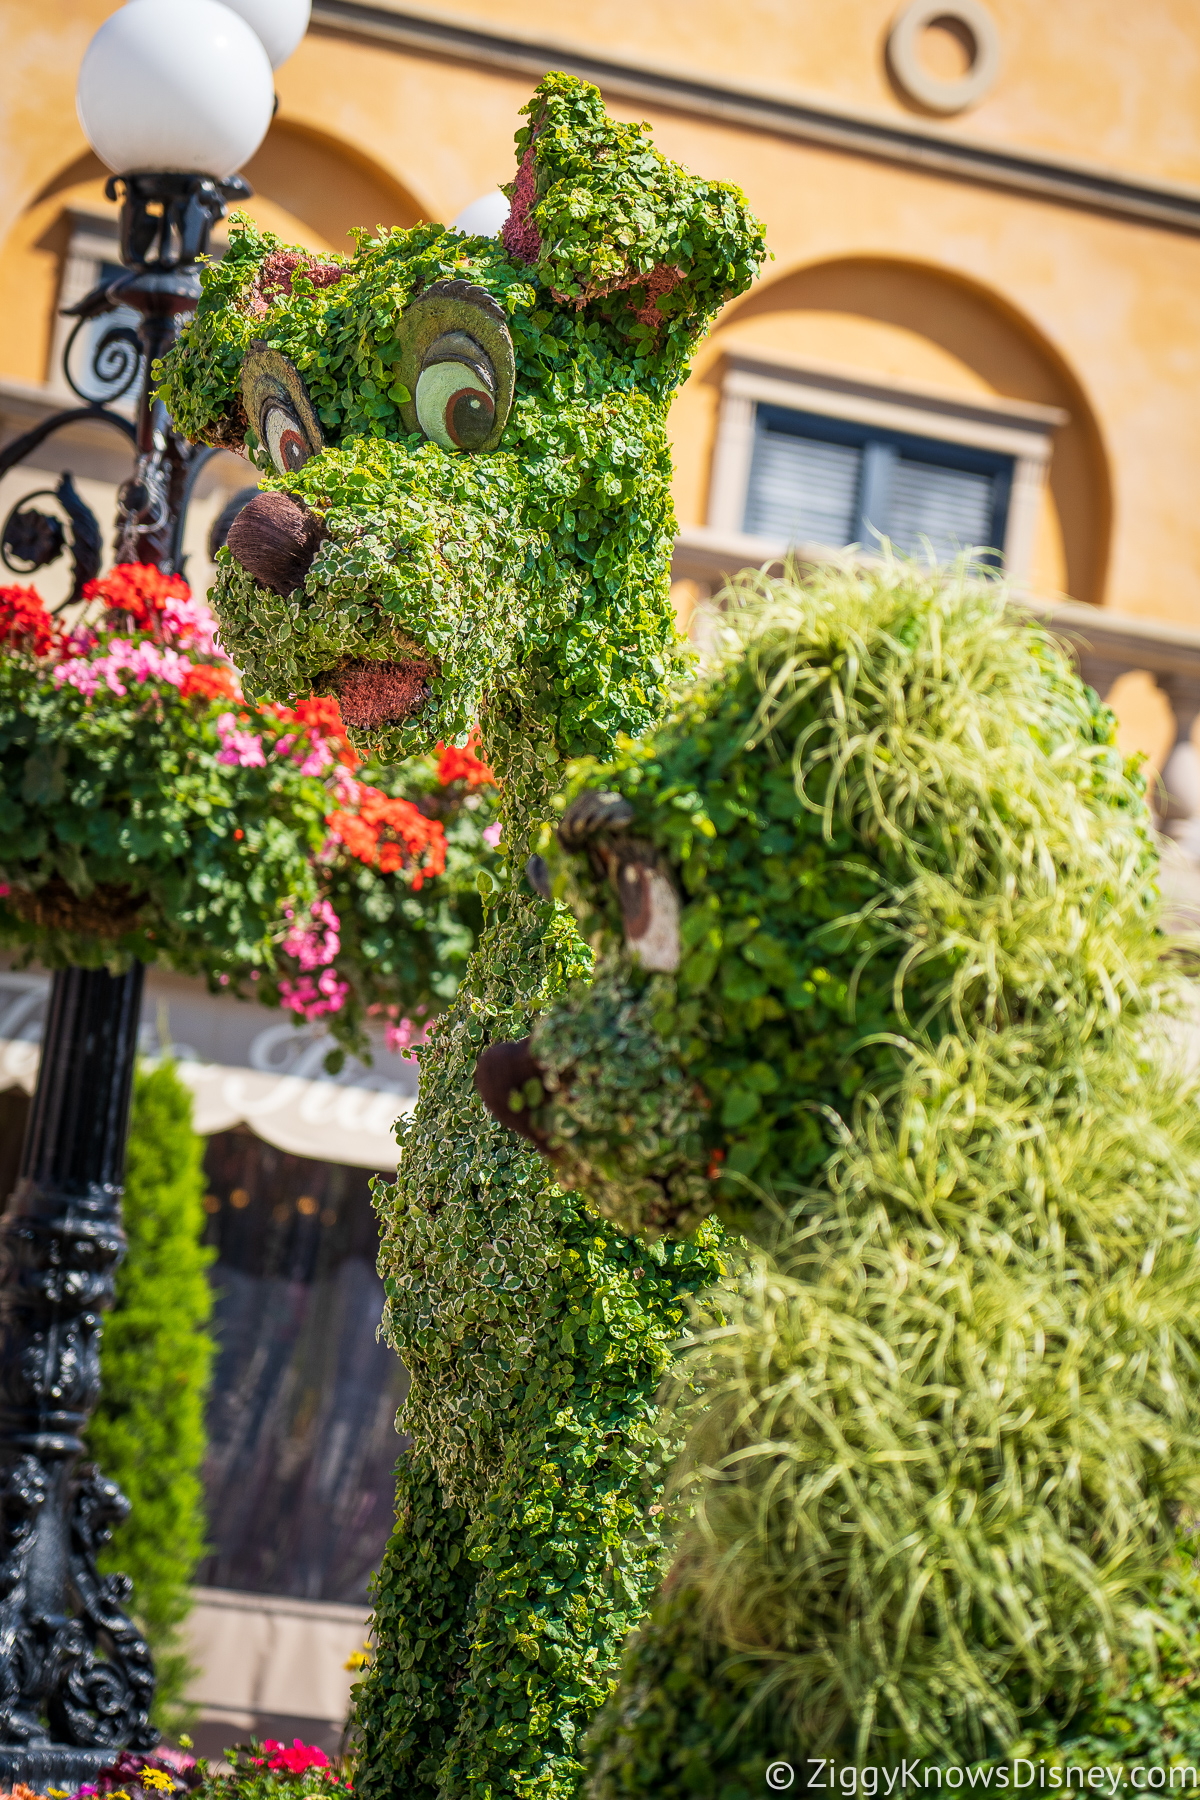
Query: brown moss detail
[
  {"x": 373, "y": 694},
  {"x": 229, "y": 431},
  {"x": 520, "y": 235},
  {"x": 107, "y": 912},
  {"x": 278, "y": 271},
  {"x": 659, "y": 281}
]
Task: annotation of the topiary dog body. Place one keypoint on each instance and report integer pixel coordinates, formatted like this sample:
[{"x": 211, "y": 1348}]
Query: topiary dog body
[
  {"x": 877, "y": 967},
  {"x": 467, "y": 517}
]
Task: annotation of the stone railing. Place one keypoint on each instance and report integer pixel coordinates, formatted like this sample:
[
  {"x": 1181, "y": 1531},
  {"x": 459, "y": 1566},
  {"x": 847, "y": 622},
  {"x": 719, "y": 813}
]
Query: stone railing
[{"x": 1106, "y": 644}]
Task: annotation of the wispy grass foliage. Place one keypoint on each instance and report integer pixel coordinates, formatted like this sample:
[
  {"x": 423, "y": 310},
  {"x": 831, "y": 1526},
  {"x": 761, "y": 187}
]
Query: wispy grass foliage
[{"x": 942, "y": 1434}]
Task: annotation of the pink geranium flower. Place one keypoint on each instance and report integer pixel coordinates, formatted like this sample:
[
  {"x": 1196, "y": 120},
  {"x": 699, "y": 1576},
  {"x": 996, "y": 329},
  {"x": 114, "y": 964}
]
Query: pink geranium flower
[
  {"x": 317, "y": 943},
  {"x": 311, "y": 999},
  {"x": 296, "y": 1759},
  {"x": 240, "y": 748}
]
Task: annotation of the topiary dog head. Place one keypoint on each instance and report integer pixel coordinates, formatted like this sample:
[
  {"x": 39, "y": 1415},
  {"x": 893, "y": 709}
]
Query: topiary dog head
[
  {"x": 463, "y": 439},
  {"x": 891, "y": 821}
]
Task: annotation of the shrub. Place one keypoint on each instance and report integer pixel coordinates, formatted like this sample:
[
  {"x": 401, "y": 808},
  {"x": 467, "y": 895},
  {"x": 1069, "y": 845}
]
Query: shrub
[{"x": 147, "y": 1432}]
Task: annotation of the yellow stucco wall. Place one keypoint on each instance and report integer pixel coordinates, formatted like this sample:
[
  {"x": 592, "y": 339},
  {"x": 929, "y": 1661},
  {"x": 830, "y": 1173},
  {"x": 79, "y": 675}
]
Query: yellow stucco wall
[
  {"x": 883, "y": 268},
  {"x": 1091, "y": 79}
]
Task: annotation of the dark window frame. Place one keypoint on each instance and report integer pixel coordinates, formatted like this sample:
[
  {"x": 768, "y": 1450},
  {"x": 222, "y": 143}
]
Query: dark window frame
[{"x": 882, "y": 448}]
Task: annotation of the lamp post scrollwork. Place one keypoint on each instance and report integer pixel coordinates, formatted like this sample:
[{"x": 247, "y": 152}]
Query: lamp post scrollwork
[{"x": 76, "y": 1676}]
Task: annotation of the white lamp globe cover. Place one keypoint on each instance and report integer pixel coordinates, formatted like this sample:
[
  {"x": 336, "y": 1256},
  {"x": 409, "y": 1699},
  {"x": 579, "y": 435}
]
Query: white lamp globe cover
[
  {"x": 484, "y": 217},
  {"x": 280, "y": 24},
  {"x": 175, "y": 85}
]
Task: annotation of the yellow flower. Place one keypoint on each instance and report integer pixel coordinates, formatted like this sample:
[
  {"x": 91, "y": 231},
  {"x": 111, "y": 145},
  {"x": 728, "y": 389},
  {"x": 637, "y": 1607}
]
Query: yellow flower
[{"x": 156, "y": 1778}]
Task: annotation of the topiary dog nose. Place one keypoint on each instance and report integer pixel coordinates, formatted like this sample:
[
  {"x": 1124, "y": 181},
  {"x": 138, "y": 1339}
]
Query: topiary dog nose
[
  {"x": 499, "y": 1070},
  {"x": 275, "y": 538}
]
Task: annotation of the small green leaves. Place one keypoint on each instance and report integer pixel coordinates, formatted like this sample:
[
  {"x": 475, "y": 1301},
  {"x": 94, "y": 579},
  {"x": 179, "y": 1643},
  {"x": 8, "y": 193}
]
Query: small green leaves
[
  {"x": 739, "y": 1106},
  {"x": 43, "y": 780}
]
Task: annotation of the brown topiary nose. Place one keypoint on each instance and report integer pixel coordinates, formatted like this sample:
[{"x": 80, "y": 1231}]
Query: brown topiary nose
[
  {"x": 500, "y": 1069},
  {"x": 275, "y": 538}
]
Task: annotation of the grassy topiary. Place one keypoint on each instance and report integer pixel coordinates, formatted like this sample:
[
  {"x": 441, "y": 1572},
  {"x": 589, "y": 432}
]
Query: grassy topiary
[
  {"x": 879, "y": 976},
  {"x": 147, "y": 1432},
  {"x": 498, "y": 551}
]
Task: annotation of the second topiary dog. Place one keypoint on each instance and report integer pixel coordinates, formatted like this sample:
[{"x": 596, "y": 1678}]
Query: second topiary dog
[{"x": 878, "y": 979}]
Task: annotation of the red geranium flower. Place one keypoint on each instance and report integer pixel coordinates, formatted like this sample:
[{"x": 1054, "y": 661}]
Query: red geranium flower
[
  {"x": 464, "y": 765},
  {"x": 321, "y": 715},
  {"x": 138, "y": 589},
  {"x": 390, "y": 834},
  {"x": 296, "y": 1760},
  {"x": 24, "y": 621},
  {"x": 210, "y": 681}
]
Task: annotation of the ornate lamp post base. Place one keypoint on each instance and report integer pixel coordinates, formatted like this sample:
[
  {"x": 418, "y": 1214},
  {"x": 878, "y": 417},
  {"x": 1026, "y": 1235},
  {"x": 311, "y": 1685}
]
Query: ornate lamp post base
[{"x": 46, "y": 1766}]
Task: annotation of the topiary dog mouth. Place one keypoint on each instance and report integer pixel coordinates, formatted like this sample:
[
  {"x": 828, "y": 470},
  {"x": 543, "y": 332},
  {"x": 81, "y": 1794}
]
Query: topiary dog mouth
[{"x": 374, "y": 694}]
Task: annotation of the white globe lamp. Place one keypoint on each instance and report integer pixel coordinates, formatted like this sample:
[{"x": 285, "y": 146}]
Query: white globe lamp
[
  {"x": 175, "y": 86},
  {"x": 280, "y": 24},
  {"x": 484, "y": 217}
]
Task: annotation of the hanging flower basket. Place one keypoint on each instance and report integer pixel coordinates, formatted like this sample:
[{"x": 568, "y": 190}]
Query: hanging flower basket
[{"x": 149, "y": 811}]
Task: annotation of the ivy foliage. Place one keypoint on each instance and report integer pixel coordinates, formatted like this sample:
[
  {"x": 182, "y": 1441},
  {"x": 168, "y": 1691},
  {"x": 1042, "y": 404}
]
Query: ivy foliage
[
  {"x": 147, "y": 1432},
  {"x": 534, "y": 580},
  {"x": 940, "y": 1433},
  {"x": 537, "y": 1340}
]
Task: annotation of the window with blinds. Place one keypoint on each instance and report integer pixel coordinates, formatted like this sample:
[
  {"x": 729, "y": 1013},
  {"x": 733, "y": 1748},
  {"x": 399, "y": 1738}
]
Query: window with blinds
[{"x": 831, "y": 481}]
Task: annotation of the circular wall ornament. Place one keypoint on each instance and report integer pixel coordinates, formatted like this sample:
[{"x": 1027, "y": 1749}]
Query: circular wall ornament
[{"x": 973, "y": 19}]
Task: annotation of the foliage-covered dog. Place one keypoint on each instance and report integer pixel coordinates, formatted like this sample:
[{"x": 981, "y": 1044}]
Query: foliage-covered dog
[
  {"x": 469, "y": 516},
  {"x": 877, "y": 972}
]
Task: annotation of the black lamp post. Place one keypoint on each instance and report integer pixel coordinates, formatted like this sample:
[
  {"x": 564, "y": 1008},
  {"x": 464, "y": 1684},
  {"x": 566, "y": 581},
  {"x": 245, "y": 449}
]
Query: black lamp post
[{"x": 76, "y": 1677}]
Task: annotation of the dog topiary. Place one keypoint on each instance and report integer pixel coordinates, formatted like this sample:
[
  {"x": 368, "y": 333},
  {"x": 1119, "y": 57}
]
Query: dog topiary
[
  {"x": 878, "y": 978},
  {"x": 468, "y": 517}
]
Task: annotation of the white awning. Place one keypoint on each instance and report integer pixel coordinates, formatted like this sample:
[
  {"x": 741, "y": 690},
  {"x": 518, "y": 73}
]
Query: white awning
[
  {"x": 245, "y": 1065},
  {"x": 309, "y": 1118}
]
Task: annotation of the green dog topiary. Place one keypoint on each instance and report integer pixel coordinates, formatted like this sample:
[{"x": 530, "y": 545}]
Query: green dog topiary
[
  {"x": 878, "y": 975},
  {"x": 469, "y": 517}
]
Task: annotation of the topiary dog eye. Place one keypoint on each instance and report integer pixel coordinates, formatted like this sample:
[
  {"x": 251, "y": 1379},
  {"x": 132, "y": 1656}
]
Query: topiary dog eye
[
  {"x": 456, "y": 393},
  {"x": 278, "y": 407},
  {"x": 650, "y": 909},
  {"x": 456, "y": 360}
]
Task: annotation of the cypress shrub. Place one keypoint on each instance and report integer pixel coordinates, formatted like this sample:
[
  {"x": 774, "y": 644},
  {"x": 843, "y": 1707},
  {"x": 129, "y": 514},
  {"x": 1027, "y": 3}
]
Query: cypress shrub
[{"x": 147, "y": 1432}]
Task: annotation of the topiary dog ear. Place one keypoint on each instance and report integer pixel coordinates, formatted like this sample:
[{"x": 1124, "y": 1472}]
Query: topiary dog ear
[{"x": 604, "y": 220}]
